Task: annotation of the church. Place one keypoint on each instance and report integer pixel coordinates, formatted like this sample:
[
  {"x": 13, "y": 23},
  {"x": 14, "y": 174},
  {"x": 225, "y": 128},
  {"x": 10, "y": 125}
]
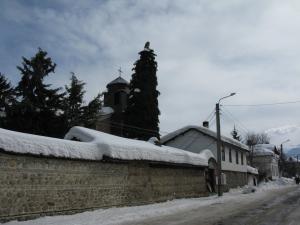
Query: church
[
  {"x": 111, "y": 115},
  {"x": 132, "y": 113}
]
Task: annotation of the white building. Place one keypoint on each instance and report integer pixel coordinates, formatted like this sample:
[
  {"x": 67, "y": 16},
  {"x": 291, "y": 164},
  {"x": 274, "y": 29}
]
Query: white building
[
  {"x": 266, "y": 160},
  {"x": 197, "y": 139}
]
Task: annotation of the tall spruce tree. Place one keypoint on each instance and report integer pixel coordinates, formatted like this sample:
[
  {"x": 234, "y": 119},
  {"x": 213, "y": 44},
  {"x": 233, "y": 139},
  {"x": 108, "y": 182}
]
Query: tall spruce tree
[
  {"x": 73, "y": 102},
  {"x": 6, "y": 98},
  {"x": 142, "y": 112},
  {"x": 38, "y": 109}
]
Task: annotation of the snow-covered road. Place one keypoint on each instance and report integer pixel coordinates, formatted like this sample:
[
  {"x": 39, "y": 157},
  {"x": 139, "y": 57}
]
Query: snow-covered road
[
  {"x": 281, "y": 210},
  {"x": 276, "y": 207},
  {"x": 230, "y": 209}
]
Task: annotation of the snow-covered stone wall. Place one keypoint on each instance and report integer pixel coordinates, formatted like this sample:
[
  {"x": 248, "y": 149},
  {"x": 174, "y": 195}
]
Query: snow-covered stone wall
[
  {"x": 95, "y": 145},
  {"x": 34, "y": 185}
]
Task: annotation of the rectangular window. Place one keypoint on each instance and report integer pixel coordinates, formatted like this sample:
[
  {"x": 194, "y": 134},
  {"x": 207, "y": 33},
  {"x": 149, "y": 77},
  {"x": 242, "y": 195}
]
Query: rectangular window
[
  {"x": 230, "y": 156},
  {"x": 223, "y": 153},
  {"x": 237, "y": 157},
  {"x": 242, "y": 158}
]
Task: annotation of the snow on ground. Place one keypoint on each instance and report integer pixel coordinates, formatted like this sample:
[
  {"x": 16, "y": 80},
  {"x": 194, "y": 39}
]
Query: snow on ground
[
  {"x": 94, "y": 146},
  {"x": 115, "y": 216},
  {"x": 279, "y": 183}
]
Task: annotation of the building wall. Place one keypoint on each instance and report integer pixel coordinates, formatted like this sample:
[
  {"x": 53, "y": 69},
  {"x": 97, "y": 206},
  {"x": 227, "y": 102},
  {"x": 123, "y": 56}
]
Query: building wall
[
  {"x": 195, "y": 141},
  {"x": 116, "y": 97},
  {"x": 110, "y": 98},
  {"x": 32, "y": 186},
  {"x": 252, "y": 179},
  {"x": 267, "y": 166},
  {"x": 235, "y": 179}
]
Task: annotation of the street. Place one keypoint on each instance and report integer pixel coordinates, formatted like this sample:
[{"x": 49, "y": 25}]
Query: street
[{"x": 279, "y": 207}]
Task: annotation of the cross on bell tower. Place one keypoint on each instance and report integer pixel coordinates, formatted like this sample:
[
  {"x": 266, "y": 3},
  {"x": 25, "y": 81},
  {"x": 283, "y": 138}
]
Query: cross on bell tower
[{"x": 120, "y": 72}]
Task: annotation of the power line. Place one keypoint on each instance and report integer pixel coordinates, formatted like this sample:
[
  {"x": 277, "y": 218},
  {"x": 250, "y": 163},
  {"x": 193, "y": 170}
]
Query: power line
[
  {"x": 265, "y": 104},
  {"x": 121, "y": 125},
  {"x": 235, "y": 120},
  {"x": 213, "y": 121},
  {"x": 210, "y": 116},
  {"x": 238, "y": 127},
  {"x": 118, "y": 125}
]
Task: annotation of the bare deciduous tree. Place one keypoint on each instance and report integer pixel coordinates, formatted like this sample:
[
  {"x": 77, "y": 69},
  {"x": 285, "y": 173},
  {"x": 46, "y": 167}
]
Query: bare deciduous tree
[{"x": 253, "y": 139}]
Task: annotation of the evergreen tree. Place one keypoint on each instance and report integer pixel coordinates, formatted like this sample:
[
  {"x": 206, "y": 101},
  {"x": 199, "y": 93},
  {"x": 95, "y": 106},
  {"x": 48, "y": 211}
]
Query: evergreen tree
[
  {"x": 39, "y": 108},
  {"x": 91, "y": 111},
  {"x": 6, "y": 98},
  {"x": 235, "y": 134},
  {"x": 73, "y": 102},
  {"x": 142, "y": 111}
]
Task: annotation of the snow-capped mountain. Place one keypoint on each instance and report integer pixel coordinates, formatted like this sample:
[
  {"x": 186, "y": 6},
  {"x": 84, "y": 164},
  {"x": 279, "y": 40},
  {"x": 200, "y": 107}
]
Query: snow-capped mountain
[
  {"x": 288, "y": 132},
  {"x": 294, "y": 152}
]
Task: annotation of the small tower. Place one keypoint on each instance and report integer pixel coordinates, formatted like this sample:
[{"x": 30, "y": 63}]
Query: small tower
[
  {"x": 117, "y": 94},
  {"x": 116, "y": 98}
]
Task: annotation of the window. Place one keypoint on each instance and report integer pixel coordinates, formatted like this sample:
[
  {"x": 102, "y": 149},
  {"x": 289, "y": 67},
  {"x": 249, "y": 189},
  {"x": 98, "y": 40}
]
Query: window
[
  {"x": 242, "y": 158},
  {"x": 223, "y": 153},
  {"x": 237, "y": 157},
  {"x": 230, "y": 156}
]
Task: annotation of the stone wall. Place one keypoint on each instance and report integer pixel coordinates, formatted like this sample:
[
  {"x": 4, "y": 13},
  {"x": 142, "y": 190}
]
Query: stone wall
[
  {"x": 32, "y": 186},
  {"x": 235, "y": 179}
]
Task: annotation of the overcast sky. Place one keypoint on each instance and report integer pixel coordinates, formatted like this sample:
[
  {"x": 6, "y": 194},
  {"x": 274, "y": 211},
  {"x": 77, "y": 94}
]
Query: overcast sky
[{"x": 205, "y": 50}]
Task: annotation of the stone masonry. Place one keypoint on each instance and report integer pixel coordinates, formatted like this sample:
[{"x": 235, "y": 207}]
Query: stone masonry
[
  {"x": 33, "y": 186},
  {"x": 235, "y": 179}
]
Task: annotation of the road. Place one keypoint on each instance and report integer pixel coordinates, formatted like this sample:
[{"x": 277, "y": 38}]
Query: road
[{"x": 278, "y": 207}]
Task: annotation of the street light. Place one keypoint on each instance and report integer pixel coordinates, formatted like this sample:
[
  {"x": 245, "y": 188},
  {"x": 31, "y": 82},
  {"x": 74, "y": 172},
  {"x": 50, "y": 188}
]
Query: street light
[
  {"x": 219, "y": 167},
  {"x": 281, "y": 158},
  {"x": 281, "y": 146},
  {"x": 285, "y": 142}
]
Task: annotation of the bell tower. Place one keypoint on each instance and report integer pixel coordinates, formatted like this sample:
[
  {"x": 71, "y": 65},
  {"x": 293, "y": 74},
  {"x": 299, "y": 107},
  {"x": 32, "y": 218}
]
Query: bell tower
[{"x": 116, "y": 98}]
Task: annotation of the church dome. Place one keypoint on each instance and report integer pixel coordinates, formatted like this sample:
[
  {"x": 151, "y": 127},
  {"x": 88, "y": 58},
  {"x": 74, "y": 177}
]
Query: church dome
[{"x": 118, "y": 80}]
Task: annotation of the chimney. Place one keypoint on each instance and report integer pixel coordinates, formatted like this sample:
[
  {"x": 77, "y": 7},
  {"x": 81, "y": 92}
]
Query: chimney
[{"x": 206, "y": 124}]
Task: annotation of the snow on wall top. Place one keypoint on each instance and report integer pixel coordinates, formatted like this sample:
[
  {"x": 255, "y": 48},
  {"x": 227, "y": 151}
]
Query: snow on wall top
[
  {"x": 94, "y": 146},
  {"x": 268, "y": 146},
  {"x": 17, "y": 142},
  {"x": 252, "y": 170},
  {"x": 106, "y": 110},
  {"x": 205, "y": 131},
  {"x": 261, "y": 150},
  {"x": 123, "y": 148}
]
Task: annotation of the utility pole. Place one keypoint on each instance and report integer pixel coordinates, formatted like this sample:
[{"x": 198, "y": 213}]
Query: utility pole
[
  {"x": 281, "y": 159},
  {"x": 220, "y": 191},
  {"x": 219, "y": 162}
]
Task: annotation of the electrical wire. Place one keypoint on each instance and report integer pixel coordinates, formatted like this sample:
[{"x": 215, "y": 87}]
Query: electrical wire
[
  {"x": 139, "y": 128},
  {"x": 210, "y": 116},
  {"x": 126, "y": 126},
  {"x": 235, "y": 120},
  {"x": 265, "y": 104}
]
